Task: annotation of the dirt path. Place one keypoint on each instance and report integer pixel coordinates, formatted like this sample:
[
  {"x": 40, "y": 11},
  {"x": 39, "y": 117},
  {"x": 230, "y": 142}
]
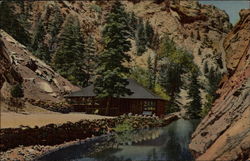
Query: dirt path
[{"x": 14, "y": 120}]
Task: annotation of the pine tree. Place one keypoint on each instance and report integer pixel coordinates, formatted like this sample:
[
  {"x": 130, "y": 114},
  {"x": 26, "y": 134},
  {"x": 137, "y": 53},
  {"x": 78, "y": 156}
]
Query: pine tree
[
  {"x": 54, "y": 27},
  {"x": 175, "y": 63},
  {"x": 206, "y": 69},
  {"x": 17, "y": 91},
  {"x": 110, "y": 81},
  {"x": 56, "y": 22},
  {"x": 199, "y": 51},
  {"x": 214, "y": 78},
  {"x": 69, "y": 58},
  {"x": 149, "y": 34},
  {"x": 91, "y": 58},
  {"x": 43, "y": 53},
  {"x": 41, "y": 49},
  {"x": 9, "y": 22},
  {"x": 151, "y": 77},
  {"x": 213, "y": 84},
  {"x": 155, "y": 42},
  {"x": 170, "y": 80},
  {"x": 140, "y": 38},
  {"x": 132, "y": 23},
  {"x": 194, "y": 106},
  {"x": 38, "y": 46},
  {"x": 39, "y": 35},
  {"x": 23, "y": 16},
  {"x": 198, "y": 35}
]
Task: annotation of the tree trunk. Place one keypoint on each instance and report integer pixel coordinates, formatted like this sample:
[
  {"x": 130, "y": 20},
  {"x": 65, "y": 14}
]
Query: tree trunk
[{"x": 108, "y": 106}]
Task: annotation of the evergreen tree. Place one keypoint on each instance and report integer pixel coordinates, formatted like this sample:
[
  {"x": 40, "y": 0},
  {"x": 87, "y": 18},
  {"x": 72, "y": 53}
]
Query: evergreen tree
[
  {"x": 151, "y": 77},
  {"x": 194, "y": 106},
  {"x": 155, "y": 42},
  {"x": 38, "y": 46},
  {"x": 140, "y": 38},
  {"x": 213, "y": 84},
  {"x": 91, "y": 58},
  {"x": 69, "y": 58},
  {"x": 176, "y": 62},
  {"x": 39, "y": 34},
  {"x": 132, "y": 23},
  {"x": 56, "y": 22},
  {"x": 155, "y": 46},
  {"x": 54, "y": 27},
  {"x": 140, "y": 75},
  {"x": 206, "y": 69},
  {"x": 43, "y": 50},
  {"x": 17, "y": 91},
  {"x": 214, "y": 78},
  {"x": 199, "y": 51},
  {"x": 149, "y": 34},
  {"x": 9, "y": 22},
  {"x": 170, "y": 80},
  {"x": 110, "y": 81},
  {"x": 24, "y": 14},
  {"x": 43, "y": 53},
  {"x": 198, "y": 35}
]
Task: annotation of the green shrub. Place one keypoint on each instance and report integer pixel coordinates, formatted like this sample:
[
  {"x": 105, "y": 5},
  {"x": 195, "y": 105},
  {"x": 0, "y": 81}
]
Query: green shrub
[
  {"x": 17, "y": 91},
  {"x": 159, "y": 90},
  {"x": 125, "y": 126},
  {"x": 96, "y": 8}
]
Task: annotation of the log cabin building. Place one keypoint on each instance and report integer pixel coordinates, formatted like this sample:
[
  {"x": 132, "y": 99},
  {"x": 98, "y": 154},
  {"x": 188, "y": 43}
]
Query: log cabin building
[{"x": 142, "y": 101}]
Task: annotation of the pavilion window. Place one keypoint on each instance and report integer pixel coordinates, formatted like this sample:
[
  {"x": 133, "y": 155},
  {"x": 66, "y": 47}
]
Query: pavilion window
[
  {"x": 96, "y": 101},
  {"x": 75, "y": 101},
  {"x": 87, "y": 101},
  {"x": 149, "y": 105}
]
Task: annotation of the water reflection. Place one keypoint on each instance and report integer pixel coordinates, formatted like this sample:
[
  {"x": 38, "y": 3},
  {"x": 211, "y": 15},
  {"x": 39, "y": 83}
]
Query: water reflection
[{"x": 163, "y": 144}]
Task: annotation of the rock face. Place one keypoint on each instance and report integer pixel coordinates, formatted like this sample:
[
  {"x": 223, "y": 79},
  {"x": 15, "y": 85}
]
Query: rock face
[
  {"x": 39, "y": 81},
  {"x": 197, "y": 28},
  {"x": 7, "y": 72},
  {"x": 192, "y": 26},
  {"x": 224, "y": 134}
]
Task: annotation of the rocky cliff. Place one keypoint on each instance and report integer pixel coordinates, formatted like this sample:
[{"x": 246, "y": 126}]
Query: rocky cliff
[
  {"x": 224, "y": 134},
  {"x": 7, "y": 72},
  {"x": 39, "y": 81},
  {"x": 194, "y": 27}
]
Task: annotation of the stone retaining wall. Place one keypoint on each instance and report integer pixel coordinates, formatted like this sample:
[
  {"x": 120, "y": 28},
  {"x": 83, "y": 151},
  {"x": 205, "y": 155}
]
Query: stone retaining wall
[
  {"x": 53, "y": 134},
  {"x": 61, "y": 107}
]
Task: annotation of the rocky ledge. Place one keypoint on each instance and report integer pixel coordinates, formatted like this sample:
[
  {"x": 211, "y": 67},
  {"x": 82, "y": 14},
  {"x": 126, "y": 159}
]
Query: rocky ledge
[
  {"x": 39, "y": 80},
  {"x": 224, "y": 134}
]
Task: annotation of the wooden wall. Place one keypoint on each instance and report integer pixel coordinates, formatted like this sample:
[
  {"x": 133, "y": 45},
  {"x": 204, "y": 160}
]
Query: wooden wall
[
  {"x": 121, "y": 106},
  {"x": 160, "y": 110}
]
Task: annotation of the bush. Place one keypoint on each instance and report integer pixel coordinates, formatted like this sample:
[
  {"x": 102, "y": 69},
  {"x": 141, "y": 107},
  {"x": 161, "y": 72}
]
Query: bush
[
  {"x": 125, "y": 126},
  {"x": 159, "y": 90},
  {"x": 96, "y": 8},
  {"x": 17, "y": 91}
]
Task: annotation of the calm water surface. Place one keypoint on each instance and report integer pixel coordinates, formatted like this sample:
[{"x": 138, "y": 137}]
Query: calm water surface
[{"x": 158, "y": 144}]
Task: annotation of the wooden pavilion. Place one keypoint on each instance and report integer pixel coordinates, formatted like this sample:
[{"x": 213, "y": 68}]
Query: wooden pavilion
[{"x": 142, "y": 101}]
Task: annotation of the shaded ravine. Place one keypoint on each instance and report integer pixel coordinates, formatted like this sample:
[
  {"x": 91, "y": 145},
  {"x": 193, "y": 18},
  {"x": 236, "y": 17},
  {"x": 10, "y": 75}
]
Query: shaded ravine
[{"x": 167, "y": 143}]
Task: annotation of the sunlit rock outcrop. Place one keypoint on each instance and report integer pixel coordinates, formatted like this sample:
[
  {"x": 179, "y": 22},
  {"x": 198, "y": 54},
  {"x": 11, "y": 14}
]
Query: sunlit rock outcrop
[
  {"x": 224, "y": 134},
  {"x": 39, "y": 81}
]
